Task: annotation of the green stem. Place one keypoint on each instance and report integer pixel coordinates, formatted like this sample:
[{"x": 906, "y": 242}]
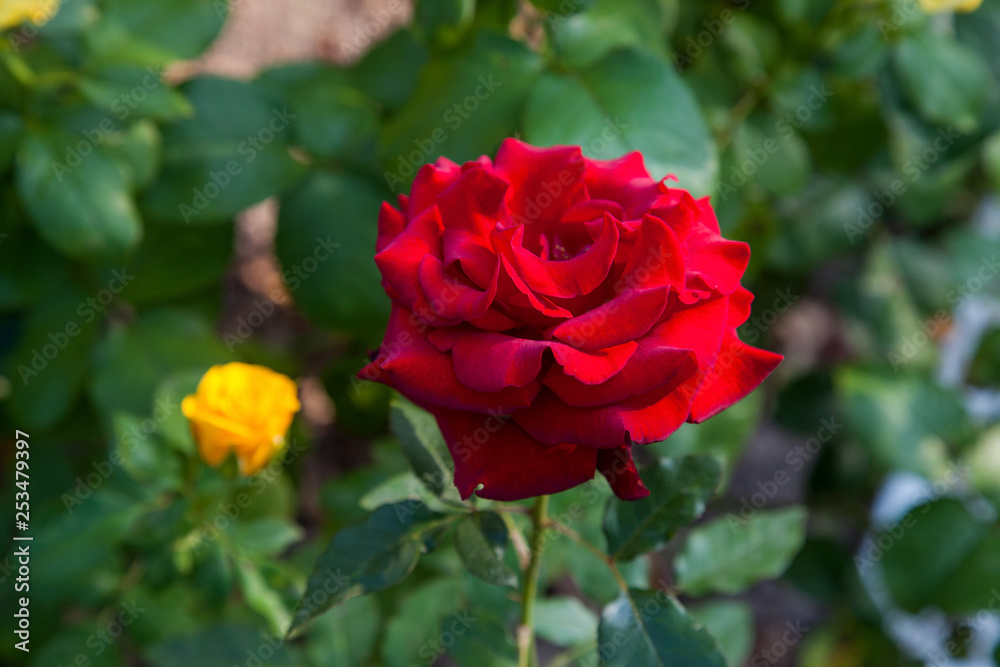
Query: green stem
[{"x": 527, "y": 654}]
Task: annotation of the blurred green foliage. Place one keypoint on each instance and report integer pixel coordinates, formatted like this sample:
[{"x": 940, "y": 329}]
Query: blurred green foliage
[{"x": 854, "y": 144}]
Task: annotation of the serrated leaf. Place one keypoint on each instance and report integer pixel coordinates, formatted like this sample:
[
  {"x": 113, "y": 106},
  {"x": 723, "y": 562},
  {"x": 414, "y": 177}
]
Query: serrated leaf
[
  {"x": 368, "y": 557},
  {"x": 423, "y": 445},
  {"x": 480, "y": 540},
  {"x": 651, "y": 629},
  {"x": 728, "y": 555},
  {"x": 679, "y": 489}
]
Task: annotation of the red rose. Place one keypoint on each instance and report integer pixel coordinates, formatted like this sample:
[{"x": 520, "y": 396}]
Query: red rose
[{"x": 550, "y": 310}]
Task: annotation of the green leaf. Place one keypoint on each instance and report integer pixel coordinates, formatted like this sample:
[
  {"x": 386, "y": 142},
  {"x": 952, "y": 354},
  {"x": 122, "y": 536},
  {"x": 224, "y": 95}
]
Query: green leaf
[
  {"x": 937, "y": 555},
  {"x": 267, "y": 536},
  {"x": 154, "y": 32},
  {"x": 219, "y": 645},
  {"x": 388, "y": 72},
  {"x": 326, "y": 245},
  {"x": 145, "y": 457},
  {"x": 83, "y": 208},
  {"x": 174, "y": 427},
  {"x": 232, "y": 154},
  {"x": 444, "y": 21},
  {"x": 651, "y": 629},
  {"x": 480, "y": 539},
  {"x": 731, "y": 623},
  {"x": 900, "y": 419},
  {"x": 728, "y": 555},
  {"x": 368, "y": 557},
  {"x": 417, "y": 619},
  {"x": 948, "y": 82},
  {"x": 479, "y": 641},
  {"x": 582, "y": 38},
  {"x": 132, "y": 360},
  {"x": 565, "y": 621},
  {"x": 11, "y": 126},
  {"x": 346, "y": 636},
  {"x": 207, "y": 252},
  {"x": 48, "y": 366},
  {"x": 777, "y": 160},
  {"x": 679, "y": 489},
  {"x": 330, "y": 119},
  {"x": 129, "y": 90},
  {"x": 422, "y": 444},
  {"x": 630, "y": 101},
  {"x": 991, "y": 159},
  {"x": 464, "y": 105},
  {"x": 262, "y": 598},
  {"x": 138, "y": 152},
  {"x": 65, "y": 648}
]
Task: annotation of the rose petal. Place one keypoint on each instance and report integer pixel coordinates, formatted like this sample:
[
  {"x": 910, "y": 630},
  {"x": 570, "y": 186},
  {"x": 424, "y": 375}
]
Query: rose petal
[
  {"x": 657, "y": 258},
  {"x": 399, "y": 261},
  {"x": 720, "y": 263},
  {"x": 619, "y": 469},
  {"x": 431, "y": 180},
  {"x": 642, "y": 419},
  {"x": 568, "y": 278},
  {"x": 517, "y": 299},
  {"x": 492, "y": 361},
  {"x": 626, "y": 317},
  {"x": 473, "y": 203},
  {"x": 391, "y": 223},
  {"x": 496, "y": 453},
  {"x": 624, "y": 180},
  {"x": 591, "y": 367},
  {"x": 451, "y": 298},
  {"x": 544, "y": 182},
  {"x": 410, "y": 364},
  {"x": 738, "y": 371}
]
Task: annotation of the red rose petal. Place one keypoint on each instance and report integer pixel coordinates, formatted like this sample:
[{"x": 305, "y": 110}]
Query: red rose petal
[
  {"x": 544, "y": 182},
  {"x": 451, "y": 298},
  {"x": 474, "y": 202},
  {"x": 496, "y": 453},
  {"x": 720, "y": 263},
  {"x": 626, "y": 317},
  {"x": 642, "y": 419},
  {"x": 399, "y": 261},
  {"x": 657, "y": 258},
  {"x": 591, "y": 367},
  {"x": 391, "y": 223},
  {"x": 624, "y": 180},
  {"x": 410, "y": 364},
  {"x": 738, "y": 371},
  {"x": 572, "y": 277},
  {"x": 619, "y": 469},
  {"x": 493, "y": 361},
  {"x": 431, "y": 180}
]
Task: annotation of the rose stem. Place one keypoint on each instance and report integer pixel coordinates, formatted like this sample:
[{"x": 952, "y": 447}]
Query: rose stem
[{"x": 527, "y": 655}]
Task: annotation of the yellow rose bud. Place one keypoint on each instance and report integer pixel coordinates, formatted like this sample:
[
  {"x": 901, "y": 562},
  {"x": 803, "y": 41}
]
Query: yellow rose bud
[
  {"x": 242, "y": 409},
  {"x": 936, "y": 6},
  {"x": 15, "y": 12}
]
